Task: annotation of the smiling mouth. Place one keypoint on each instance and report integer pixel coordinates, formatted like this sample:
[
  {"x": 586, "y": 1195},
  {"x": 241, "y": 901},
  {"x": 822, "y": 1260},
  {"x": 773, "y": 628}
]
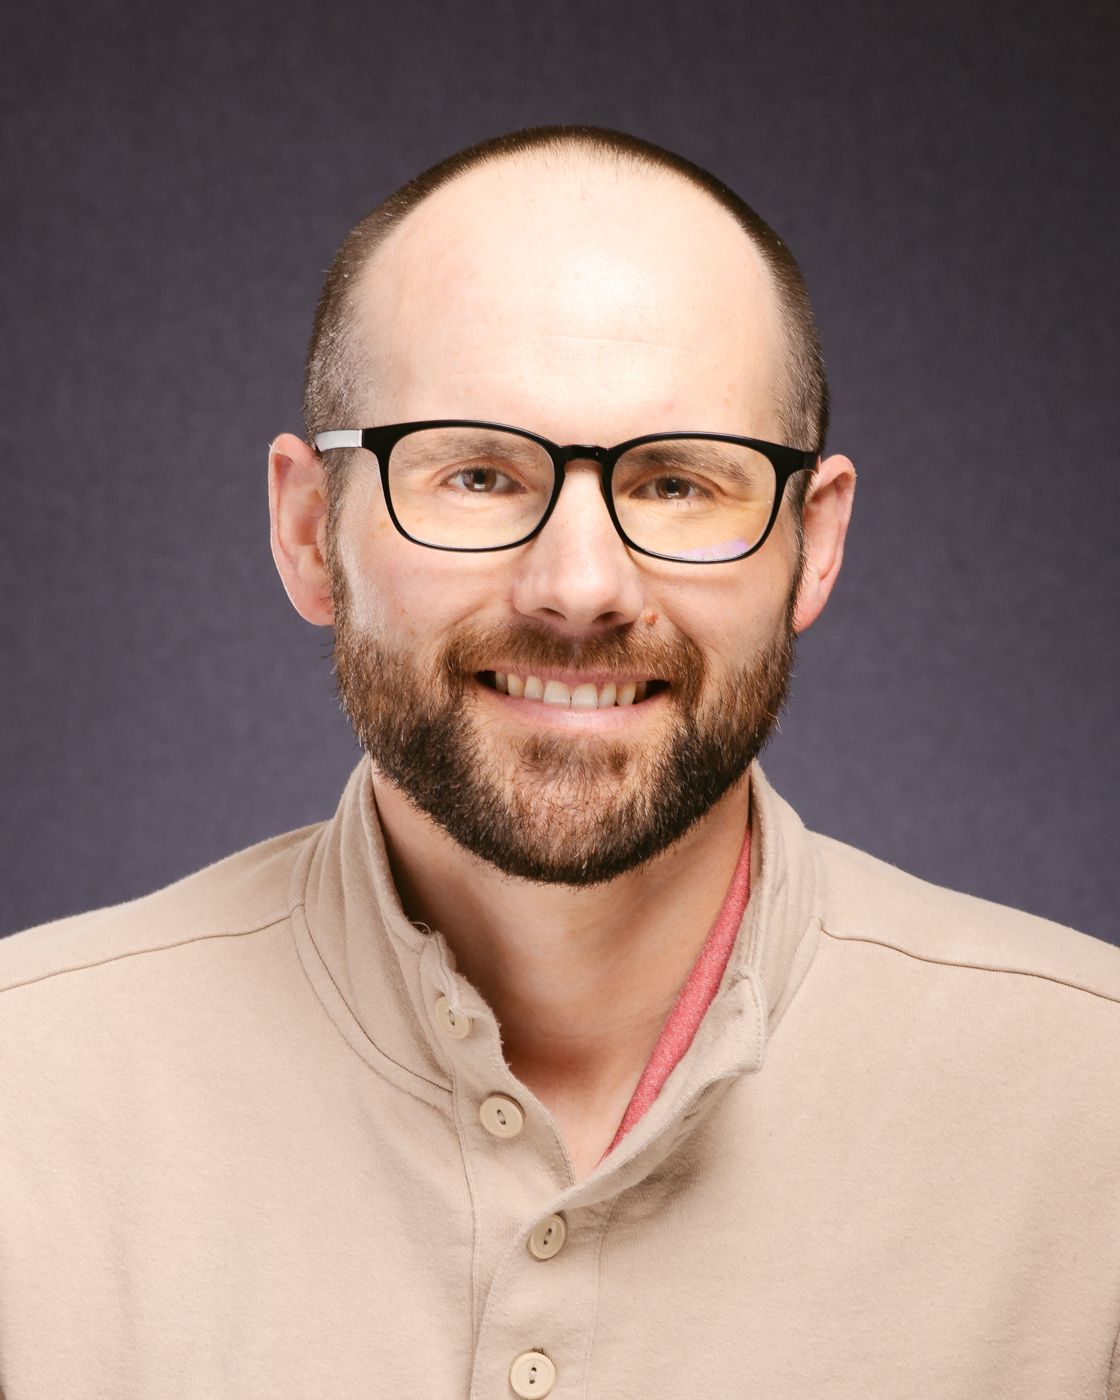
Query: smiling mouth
[{"x": 584, "y": 696}]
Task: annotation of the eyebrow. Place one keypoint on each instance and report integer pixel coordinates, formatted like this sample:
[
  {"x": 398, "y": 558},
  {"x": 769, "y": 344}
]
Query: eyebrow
[
  {"x": 468, "y": 443},
  {"x": 694, "y": 452}
]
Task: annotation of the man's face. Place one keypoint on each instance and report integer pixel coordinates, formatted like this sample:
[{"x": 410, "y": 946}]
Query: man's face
[{"x": 589, "y": 306}]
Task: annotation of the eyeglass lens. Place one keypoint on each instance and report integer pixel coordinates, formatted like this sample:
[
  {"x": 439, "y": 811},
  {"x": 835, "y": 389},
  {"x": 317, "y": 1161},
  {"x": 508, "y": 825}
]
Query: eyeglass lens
[{"x": 692, "y": 499}]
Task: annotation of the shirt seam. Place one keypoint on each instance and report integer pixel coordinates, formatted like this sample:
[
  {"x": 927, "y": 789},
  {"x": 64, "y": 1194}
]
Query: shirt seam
[
  {"x": 143, "y": 952},
  {"x": 969, "y": 966},
  {"x": 1112, "y": 1380},
  {"x": 476, "y": 1218},
  {"x": 596, "y": 1306}
]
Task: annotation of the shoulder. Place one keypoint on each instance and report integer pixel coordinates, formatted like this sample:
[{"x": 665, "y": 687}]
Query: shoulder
[
  {"x": 869, "y": 901},
  {"x": 244, "y": 893}
]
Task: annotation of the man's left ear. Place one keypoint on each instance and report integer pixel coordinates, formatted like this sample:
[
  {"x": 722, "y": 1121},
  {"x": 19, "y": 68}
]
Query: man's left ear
[{"x": 828, "y": 508}]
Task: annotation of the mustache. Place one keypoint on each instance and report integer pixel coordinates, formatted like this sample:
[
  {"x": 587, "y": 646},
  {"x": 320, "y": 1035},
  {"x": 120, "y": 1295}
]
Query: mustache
[{"x": 527, "y": 647}]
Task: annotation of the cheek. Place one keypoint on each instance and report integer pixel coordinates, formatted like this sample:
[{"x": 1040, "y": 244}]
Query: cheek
[
  {"x": 730, "y": 618},
  {"x": 408, "y": 596}
]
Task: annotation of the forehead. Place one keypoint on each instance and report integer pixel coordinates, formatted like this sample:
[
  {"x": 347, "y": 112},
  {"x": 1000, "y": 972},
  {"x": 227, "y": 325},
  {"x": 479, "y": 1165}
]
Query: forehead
[{"x": 574, "y": 297}]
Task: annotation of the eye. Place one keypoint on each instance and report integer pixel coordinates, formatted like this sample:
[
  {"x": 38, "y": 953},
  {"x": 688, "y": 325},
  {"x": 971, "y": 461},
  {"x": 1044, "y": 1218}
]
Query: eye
[
  {"x": 483, "y": 481},
  {"x": 672, "y": 488}
]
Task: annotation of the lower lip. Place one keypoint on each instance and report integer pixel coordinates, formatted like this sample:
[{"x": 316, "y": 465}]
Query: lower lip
[{"x": 610, "y": 719}]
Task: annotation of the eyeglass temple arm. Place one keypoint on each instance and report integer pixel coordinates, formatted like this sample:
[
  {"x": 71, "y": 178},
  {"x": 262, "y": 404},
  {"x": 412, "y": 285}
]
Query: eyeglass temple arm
[{"x": 338, "y": 437}]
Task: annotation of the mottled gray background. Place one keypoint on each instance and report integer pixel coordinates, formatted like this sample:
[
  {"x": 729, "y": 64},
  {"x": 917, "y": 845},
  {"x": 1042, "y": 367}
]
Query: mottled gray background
[{"x": 177, "y": 178}]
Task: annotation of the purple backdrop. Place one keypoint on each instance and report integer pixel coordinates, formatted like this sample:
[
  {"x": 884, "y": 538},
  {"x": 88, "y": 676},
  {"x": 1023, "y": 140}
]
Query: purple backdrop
[{"x": 178, "y": 178}]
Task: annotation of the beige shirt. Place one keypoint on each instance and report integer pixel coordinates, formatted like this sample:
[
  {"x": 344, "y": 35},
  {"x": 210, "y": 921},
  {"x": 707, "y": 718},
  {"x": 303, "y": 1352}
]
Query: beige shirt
[{"x": 242, "y": 1153}]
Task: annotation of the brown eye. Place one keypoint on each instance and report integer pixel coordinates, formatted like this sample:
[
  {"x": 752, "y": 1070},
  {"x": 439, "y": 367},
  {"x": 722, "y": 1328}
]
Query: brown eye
[
  {"x": 673, "y": 488},
  {"x": 482, "y": 481}
]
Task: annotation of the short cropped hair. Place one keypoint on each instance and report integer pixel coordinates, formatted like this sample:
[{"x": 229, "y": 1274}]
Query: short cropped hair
[{"x": 331, "y": 371}]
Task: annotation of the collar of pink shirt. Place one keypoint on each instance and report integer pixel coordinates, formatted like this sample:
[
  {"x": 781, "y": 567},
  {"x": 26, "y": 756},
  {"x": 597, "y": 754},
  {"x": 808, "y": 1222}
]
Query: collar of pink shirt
[{"x": 694, "y": 997}]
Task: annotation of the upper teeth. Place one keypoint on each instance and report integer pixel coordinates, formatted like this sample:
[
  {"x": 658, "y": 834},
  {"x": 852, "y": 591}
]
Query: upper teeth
[{"x": 578, "y": 697}]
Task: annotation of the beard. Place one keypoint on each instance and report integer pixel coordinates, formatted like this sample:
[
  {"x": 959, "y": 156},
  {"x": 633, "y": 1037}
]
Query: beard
[{"x": 556, "y": 808}]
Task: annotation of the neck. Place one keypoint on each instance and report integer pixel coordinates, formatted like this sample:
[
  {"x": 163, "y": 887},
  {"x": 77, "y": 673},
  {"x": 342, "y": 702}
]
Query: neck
[{"x": 580, "y": 980}]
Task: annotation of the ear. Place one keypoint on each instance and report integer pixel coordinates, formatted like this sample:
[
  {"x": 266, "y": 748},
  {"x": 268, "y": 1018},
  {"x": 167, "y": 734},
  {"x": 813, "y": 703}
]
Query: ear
[
  {"x": 828, "y": 508},
  {"x": 297, "y": 508}
]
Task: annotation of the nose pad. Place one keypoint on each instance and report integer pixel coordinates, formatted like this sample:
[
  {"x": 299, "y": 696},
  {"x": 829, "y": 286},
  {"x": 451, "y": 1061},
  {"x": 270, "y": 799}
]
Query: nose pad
[
  {"x": 579, "y": 569},
  {"x": 574, "y": 495}
]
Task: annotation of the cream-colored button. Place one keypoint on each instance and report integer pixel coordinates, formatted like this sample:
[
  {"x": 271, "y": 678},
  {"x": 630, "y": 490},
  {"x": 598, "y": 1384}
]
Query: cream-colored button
[
  {"x": 532, "y": 1374},
  {"x": 548, "y": 1237},
  {"x": 452, "y": 1023},
  {"x": 501, "y": 1116}
]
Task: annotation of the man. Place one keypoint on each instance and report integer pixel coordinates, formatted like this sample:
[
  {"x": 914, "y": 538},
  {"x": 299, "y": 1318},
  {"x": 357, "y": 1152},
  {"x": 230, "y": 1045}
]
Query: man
[{"x": 563, "y": 1059}]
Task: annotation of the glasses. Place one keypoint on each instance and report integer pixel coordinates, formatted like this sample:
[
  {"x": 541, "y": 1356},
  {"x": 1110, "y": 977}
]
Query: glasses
[{"x": 696, "y": 498}]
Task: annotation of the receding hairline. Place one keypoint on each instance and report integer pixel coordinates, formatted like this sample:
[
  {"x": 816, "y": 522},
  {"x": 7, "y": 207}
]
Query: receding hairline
[
  {"x": 445, "y": 238},
  {"x": 331, "y": 381},
  {"x": 572, "y": 158}
]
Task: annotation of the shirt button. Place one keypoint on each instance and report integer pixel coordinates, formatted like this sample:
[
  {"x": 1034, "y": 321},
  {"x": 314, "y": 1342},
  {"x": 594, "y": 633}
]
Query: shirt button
[
  {"x": 532, "y": 1374},
  {"x": 502, "y": 1118},
  {"x": 548, "y": 1237},
  {"x": 452, "y": 1023}
]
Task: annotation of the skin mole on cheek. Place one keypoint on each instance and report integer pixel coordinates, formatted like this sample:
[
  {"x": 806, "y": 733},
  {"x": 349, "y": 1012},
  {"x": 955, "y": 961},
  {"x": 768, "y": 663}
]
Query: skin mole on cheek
[{"x": 650, "y": 618}]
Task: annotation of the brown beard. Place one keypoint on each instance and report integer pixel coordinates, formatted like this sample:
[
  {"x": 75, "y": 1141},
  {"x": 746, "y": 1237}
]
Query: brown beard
[{"x": 554, "y": 808}]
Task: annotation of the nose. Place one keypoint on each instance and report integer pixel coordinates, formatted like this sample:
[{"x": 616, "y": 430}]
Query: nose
[{"x": 577, "y": 574}]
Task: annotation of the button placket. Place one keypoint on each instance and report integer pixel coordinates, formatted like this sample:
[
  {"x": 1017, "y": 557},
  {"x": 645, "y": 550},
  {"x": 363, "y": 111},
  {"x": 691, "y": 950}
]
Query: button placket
[{"x": 549, "y": 1307}]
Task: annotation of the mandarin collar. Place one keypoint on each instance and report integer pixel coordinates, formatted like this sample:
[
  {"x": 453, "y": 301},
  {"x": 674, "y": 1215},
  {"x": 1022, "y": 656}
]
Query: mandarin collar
[{"x": 380, "y": 976}]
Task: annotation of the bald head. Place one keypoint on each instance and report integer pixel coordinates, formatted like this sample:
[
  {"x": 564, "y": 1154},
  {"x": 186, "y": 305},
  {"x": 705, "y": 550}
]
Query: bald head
[
  {"x": 574, "y": 269},
  {"x": 571, "y": 298}
]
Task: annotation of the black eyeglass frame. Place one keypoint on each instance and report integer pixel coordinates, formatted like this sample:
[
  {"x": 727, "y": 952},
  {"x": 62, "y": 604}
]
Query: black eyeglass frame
[{"x": 786, "y": 461}]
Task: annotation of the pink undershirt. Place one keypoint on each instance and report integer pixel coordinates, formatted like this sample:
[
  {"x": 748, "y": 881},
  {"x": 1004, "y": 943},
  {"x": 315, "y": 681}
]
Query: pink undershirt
[{"x": 694, "y": 997}]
